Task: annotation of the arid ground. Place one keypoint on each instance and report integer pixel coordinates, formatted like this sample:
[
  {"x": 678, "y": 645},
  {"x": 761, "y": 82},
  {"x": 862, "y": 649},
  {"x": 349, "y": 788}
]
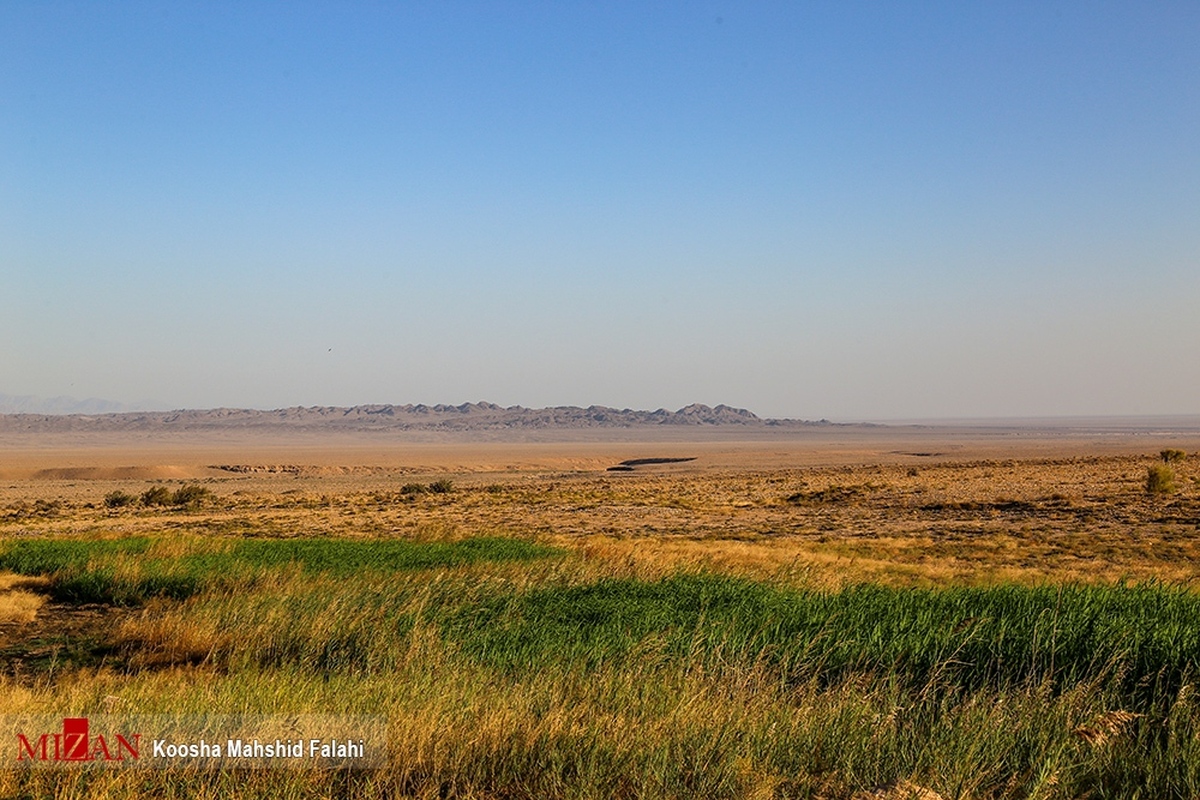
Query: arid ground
[
  {"x": 922, "y": 509},
  {"x": 906, "y": 505}
]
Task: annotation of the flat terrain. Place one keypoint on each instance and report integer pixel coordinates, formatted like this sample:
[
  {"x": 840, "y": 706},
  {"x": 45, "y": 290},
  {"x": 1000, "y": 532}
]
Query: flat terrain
[
  {"x": 576, "y": 612},
  {"x": 912, "y": 503}
]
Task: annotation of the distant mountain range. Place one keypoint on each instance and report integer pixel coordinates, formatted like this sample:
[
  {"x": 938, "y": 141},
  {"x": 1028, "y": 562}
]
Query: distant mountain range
[{"x": 465, "y": 417}]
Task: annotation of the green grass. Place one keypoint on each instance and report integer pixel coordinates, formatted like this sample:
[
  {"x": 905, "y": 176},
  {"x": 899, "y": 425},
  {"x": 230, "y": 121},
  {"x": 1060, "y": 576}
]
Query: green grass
[
  {"x": 352, "y": 556},
  {"x": 128, "y": 571},
  {"x": 45, "y": 556},
  {"x": 1146, "y": 638}
]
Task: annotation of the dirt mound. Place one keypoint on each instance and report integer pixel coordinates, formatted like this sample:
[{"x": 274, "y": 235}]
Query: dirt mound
[
  {"x": 144, "y": 473},
  {"x": 308, "y": 470}
]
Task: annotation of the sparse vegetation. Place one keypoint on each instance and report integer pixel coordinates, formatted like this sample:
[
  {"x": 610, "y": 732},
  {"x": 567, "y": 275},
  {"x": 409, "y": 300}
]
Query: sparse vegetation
[
  {"x": 119, "y": 499},
  {"x": 157, "y": 496},
  {"x": 440, "y": 486},
  {"x": 47, "y": 508},
  {"x": 1171, "y": 455},
  {"x": 830, "y": 494},
  {"x": 191, "y": 495},
  {"x": 1160, "y": 479}
]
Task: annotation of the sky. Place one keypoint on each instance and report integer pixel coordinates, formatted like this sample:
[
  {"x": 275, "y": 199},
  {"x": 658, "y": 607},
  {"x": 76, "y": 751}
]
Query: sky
[{"x": 813, "y": 210}]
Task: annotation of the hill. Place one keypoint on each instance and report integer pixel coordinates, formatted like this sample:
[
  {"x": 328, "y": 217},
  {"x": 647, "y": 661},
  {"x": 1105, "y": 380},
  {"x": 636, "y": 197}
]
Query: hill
[{"x": 481, "y": 416}]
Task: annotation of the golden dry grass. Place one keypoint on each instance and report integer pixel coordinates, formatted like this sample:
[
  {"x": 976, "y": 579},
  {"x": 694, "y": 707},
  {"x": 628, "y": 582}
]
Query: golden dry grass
[{"x": 19, "y": 599}]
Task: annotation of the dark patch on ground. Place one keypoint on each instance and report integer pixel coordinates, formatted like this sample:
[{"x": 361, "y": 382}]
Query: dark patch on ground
[
  {"x": 1018, "y": 507},
  {"x": 63, "y": 636},
  {"x": 831, "y": 494},
  {"x": 629, "y": 464}
]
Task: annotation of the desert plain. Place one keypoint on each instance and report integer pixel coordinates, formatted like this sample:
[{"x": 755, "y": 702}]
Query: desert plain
[
  {"x": 907, "y": 503},
  {"x": 999, "y": 610}
]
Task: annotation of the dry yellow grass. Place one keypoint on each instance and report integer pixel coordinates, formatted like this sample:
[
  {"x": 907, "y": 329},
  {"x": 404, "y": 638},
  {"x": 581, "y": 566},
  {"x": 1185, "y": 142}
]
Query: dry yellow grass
[{"x": 19, "y": 599}]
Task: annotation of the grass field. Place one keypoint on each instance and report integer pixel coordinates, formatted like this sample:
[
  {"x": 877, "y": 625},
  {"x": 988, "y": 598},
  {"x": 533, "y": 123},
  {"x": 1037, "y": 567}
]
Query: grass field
[{"x": 984, "y": 630}]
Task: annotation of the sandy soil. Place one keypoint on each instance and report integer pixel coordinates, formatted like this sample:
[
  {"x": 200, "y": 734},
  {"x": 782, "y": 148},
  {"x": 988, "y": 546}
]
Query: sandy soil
[
  {"x": 108, "y": 457},
  {"x": 928, "y": 504}
]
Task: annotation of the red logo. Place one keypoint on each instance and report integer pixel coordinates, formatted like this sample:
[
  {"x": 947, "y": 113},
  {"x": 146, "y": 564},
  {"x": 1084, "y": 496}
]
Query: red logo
[{"x": 75, "y": 744}]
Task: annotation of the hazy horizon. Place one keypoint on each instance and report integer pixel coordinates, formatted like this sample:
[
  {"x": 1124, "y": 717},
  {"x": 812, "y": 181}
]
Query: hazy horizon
[
  {"x": 63, "y": 405},
  {"x": 838, "y": 211}
]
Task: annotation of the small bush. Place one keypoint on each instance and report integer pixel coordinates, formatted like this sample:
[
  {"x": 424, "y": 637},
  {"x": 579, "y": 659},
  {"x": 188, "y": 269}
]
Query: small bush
[
  {"x": 191, "y": 495},
  {"x": 412, "y": 488},
  {"x": 1160, "y": 480},
  {"x": 831, "y": 494},
  {"x": 117, "y": 499},
  {"x": 47, "y": 508},
  {"x": 157, "y": 496},
  {"x": 443, "y": 486},
  {"x": 1170, "y": 455}
]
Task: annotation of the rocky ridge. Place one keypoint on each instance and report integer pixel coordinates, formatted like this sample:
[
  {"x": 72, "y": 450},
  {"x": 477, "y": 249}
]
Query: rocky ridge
[{"x": 481, "y": 416}]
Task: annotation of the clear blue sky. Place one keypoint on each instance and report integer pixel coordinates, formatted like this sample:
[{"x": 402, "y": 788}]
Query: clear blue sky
[{"x": 876, "y": 210}]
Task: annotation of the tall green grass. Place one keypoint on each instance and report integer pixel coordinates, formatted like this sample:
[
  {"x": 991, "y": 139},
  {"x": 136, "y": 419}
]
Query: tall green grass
[
  {"x": 47, "y": 556},
  {"x": 130, "y": 571},
  {"x": 1145, "y": 638},
  {"x": 345, "y": 557}
]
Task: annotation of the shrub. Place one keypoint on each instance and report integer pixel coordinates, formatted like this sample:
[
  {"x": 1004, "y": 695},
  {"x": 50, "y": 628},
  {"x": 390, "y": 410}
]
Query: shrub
[
  {"x": 157, "y": 496},
  {"x": 443, "y": 486},
  {"x": 1160, "y": 479},
  {"x": 412, "y": 488},
  {"x": 117, "y": 499},
  {"x": 191, "y": 495},
  {"x": 1170, "y": 455},
  {"x": 47, "y": 508},
  {"x": 831, "y": 494}
]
